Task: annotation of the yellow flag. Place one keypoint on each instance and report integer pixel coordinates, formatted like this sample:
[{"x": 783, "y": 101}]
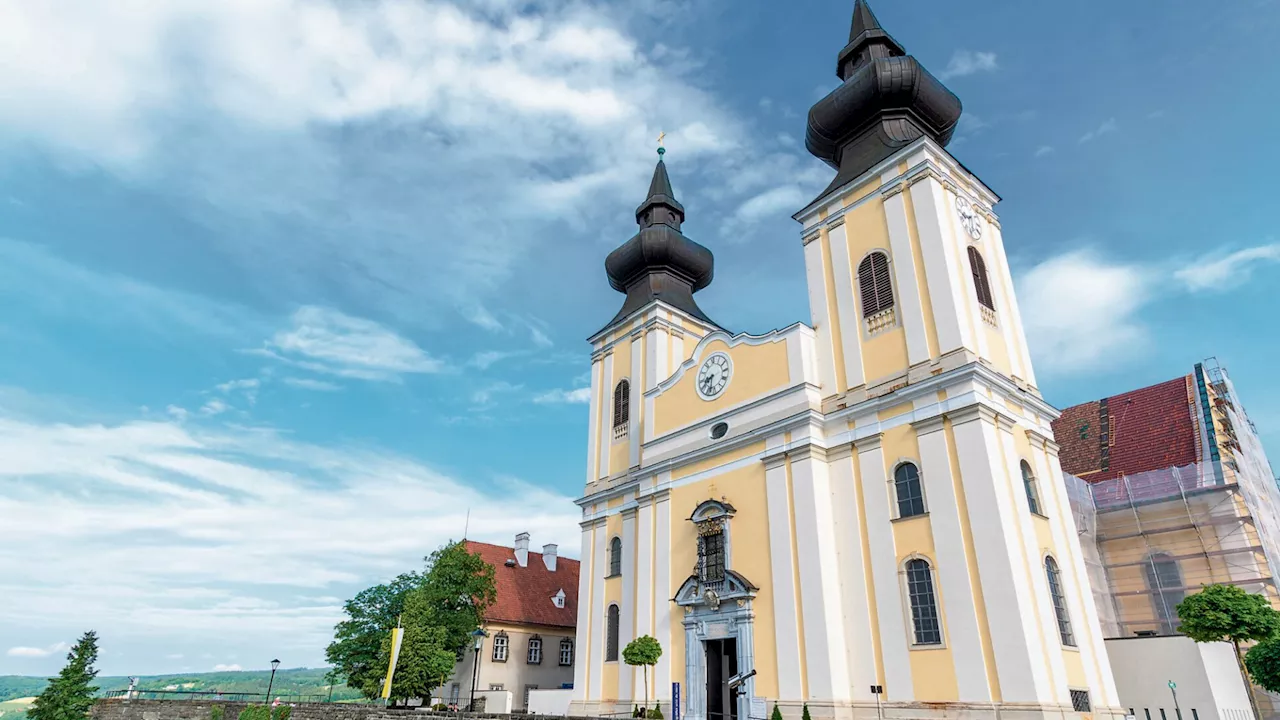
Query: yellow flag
[{"x": 397, "y": 635}]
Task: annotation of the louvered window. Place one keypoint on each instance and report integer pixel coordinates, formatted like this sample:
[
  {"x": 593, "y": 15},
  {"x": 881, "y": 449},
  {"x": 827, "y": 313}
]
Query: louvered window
[
  {"x": 980, "y": 282},
  {"x": 621, "y": 409},
  {"x": 873, "y": 283}
]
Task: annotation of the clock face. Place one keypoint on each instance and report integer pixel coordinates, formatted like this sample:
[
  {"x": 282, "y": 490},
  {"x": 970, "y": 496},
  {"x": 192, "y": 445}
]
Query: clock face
[
  {"x": 713, "y": 376},
  {"x": 969, "y": 219}
]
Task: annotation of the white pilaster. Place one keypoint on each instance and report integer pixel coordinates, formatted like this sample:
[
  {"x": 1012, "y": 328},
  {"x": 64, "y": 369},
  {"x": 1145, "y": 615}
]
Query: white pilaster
[
  {"x": 605, "y": 413},
  {"x": 626, "y": 607},
  {"x": 846, "y": 307},
  {"x": 847, "y": 517},
  {"x": 783, "y": 585},
  {"x": 1015, "y": 637},
  {"x": 909, "y": 294},
  {"x": 657, "y": 358},
  {"x": 815, "y": 272},
  {"x": 664, "y": 610},
  {"x": 963, "y": 632},
  {"x": 644, "y": 583},
  {"x": 1080, "y": 602},
  {"x": 636, "y": 401},
  {"x": 1016, "y": 333},
  {"x": 599, "y": 563},
  {"x": 824, "y": 632},
  {"x": 929, "y": 200},
  {"x": 884, "y": 572},
  {"x": 582, "y": 658},
  {"x": 593, "y": 425}
]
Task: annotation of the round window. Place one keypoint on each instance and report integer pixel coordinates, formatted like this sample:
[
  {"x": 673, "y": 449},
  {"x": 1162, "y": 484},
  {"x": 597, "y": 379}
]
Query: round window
[{"x": 719, "y": 430}]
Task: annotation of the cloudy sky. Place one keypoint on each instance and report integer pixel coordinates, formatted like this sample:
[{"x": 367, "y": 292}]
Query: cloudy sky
[{"x": 289, "y": 287}]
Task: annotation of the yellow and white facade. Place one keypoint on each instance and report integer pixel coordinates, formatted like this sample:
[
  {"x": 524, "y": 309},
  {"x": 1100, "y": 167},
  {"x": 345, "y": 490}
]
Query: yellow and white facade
[{"x": 797, "y": 462}]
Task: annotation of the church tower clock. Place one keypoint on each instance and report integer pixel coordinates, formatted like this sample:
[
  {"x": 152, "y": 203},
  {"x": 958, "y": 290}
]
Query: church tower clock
[{"x": 863, "y": 515}]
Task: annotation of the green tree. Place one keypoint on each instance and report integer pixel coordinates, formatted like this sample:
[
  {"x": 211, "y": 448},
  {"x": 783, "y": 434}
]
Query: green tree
[
  {"x": 424, "y": 657},
  {"x": 777, "y": 714},
  {"x": 1225, "y": 613},
  {"x": 356, "y": 648},
  {"x": 805, "y": 715},
  {"x": 70, "y": 695},
  {"x": 1263, "y": 662},
  {"x": 456, "y": 590},
  {"x": 643, "y": 651}
]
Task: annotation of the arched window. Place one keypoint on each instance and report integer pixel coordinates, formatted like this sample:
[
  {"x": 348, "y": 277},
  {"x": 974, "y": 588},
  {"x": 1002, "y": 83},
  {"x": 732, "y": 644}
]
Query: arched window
[
  {"x": 615, "y": 557},
  {"x": 535, "y": 651},
  {"x": 500, "y": 644},
  {"x": 1164, "y": 582},
  {"x": 873, "y": 283},
  {"x": 566, "y": 652},
  {"x": 1029, "y": 484},
  {"x": 611, "y": 636},
  {"x": 980, "y": 282},
  {"x": 924, "y": 603},
  {"x": 1054, "y": 576},
  {"x": 906, "y": 485},
  {"x": 621, "y": 408}
]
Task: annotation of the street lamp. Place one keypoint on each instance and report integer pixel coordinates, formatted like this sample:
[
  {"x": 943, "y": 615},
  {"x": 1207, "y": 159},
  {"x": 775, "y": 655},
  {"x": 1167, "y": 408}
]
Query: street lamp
[
  {"x": 274, "y": 664},
  {"x": 478, "y": 636}
]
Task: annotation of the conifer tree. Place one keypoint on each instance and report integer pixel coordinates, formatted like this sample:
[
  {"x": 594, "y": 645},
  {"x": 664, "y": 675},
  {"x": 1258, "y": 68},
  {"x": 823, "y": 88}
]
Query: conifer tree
[{"x": 69, "y": 696}]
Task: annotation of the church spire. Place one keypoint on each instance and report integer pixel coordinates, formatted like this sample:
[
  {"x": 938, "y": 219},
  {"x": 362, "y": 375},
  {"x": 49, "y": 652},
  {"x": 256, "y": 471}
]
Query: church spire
[
  {"x": 887, "y": 101},
  {"x": 659, "y": 262}
]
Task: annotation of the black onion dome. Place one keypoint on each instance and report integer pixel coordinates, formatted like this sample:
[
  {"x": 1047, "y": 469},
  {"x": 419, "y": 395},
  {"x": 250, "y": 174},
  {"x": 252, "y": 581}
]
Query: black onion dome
[
  {"x": 887, "y": 101},
  {"x": 659, "y": 262}
]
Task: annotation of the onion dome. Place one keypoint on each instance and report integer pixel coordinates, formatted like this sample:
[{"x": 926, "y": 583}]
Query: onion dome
[
  {"x": 886, "y": 102},
  {"x": 659, "y": 262}
]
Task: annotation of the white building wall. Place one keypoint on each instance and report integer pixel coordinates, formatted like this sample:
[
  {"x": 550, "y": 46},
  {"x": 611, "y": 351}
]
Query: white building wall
[{"x": 1207, "y": 678}]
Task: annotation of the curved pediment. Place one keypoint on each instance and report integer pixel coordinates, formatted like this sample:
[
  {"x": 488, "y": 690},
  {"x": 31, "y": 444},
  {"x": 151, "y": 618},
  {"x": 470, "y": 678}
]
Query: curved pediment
[
  {"x": 693, "y": 592},
  {"x": 712, "y": 510}
]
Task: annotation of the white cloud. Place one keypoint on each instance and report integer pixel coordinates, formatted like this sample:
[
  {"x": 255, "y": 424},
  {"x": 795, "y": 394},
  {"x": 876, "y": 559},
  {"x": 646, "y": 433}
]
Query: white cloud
[
  {"x": 178, "y": 413},
  {"x": 312, "y": 384},
  {"x": 1080, "y": 310},
  {"x": 532, "y": 114},
  {"x": 328, "y": 341},
  {"x": 965, "y": 62},
  {"x": 214, "y": 407},
  {"x": 246, "y": 384},
  {"x": 187, "y": 534},
  {"x": 34, "y": 652},
  {"x": 553, "y": 397},
  {"x": 1107, "y": 127},
  {"x": 1044, "y": 150},
  {"x": 767, "y": 204},
  {"x": 173, "y": 656},
  {"x": 227, "y": 668},
  {"x": 1216, "y": 271},
  {"x": 482, "y": 398},
  {"x": 484, "y": 360}
]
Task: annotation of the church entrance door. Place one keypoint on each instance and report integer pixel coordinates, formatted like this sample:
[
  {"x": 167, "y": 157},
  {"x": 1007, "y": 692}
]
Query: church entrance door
[{"x": 722, "y": 664}]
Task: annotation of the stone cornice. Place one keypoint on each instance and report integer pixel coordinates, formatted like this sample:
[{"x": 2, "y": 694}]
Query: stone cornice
[
  {"x": 839, "y": 452},
  {"x": 928, "y": 425},
  {"x": 868, "y": 443}
]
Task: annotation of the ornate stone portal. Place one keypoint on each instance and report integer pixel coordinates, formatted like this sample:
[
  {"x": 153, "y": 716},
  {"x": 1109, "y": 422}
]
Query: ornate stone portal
[{"x": 718, "y": 624}]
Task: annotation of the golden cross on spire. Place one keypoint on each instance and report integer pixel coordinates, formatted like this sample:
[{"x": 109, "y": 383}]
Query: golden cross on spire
[{"x": 661, "y": 135}]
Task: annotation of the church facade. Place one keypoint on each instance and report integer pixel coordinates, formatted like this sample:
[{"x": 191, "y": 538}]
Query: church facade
[{"x": 864, "y": 514}]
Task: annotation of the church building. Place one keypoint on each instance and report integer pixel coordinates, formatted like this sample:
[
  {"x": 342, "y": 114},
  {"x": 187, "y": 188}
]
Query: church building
[{"x": 865, "y": 513}]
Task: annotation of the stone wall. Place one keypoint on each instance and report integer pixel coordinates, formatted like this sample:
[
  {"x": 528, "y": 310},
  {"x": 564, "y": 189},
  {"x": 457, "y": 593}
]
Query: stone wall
[{"x": 120, "y": 709}]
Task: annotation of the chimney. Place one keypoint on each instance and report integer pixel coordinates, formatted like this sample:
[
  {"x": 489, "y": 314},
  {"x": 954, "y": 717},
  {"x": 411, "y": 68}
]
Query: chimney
[
  {"x": 549, "y": 557},
  {"x": 522, "y": 549}
]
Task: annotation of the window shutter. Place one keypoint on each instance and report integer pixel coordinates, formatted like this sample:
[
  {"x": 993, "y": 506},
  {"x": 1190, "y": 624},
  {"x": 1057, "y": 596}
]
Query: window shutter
[
  {"x": 980, "y": 282},
  {"x": 874, "y": 284},
  {"x": 621, "y": 403}
]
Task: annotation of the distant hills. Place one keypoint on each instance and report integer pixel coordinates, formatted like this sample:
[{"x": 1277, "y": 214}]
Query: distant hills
[{"x": 295, "y": 681}]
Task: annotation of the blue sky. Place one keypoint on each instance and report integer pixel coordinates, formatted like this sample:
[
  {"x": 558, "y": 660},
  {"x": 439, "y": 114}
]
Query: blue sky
[{"x": 289, "y": 286}]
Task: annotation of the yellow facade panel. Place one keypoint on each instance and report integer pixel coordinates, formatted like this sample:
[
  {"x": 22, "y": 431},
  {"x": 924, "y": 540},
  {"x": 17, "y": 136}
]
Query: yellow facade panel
[{"x": 757, "y": 371}]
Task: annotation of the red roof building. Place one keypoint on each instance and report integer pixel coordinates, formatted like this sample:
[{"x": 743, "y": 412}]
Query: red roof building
[
  {"x": 1142, "y": 430},
  {"x": 527, "y": 590}
]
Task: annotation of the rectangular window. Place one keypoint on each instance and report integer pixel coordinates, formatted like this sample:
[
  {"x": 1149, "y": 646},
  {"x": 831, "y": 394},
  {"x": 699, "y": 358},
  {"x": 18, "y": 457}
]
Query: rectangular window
[
  {"x": 527, "y": 688},
  {"x": 566, "y": 652},
  {"x": 500, "y": 648},
  {"x": 495, "y": 686},
  {"x": 1162, "y": 715},
  {"x": 711, "y": 557},
  {"x": 1080, "y": 701},
  {"x": 535, "y": 651},
  {"x": 1194, "y": 715},
  {"x": 1148, "y": 712}
]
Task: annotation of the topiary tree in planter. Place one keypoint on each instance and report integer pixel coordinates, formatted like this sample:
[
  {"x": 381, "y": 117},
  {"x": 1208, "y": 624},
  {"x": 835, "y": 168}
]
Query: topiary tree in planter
[
  {"x": 643, "y": 651},
  {"x": 777, "y": 714}
]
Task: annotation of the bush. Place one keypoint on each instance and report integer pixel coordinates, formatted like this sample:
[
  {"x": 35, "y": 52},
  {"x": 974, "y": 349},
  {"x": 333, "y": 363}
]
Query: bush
[
  {"x": 805, "y": 715},
  {"x": 440, "y": 707},
  {"x": 281, "y": 712},
  {"x": 255, "y": 712},
  {"x": 655, "y": 713},
  {"x": 777, "y": 714},
  {"x": 216, "y": 712}
]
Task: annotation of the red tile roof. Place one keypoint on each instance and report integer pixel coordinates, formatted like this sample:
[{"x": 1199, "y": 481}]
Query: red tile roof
[
  {"x": 524, "y": 594},
  {"x": 1150, "y": 429}
]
